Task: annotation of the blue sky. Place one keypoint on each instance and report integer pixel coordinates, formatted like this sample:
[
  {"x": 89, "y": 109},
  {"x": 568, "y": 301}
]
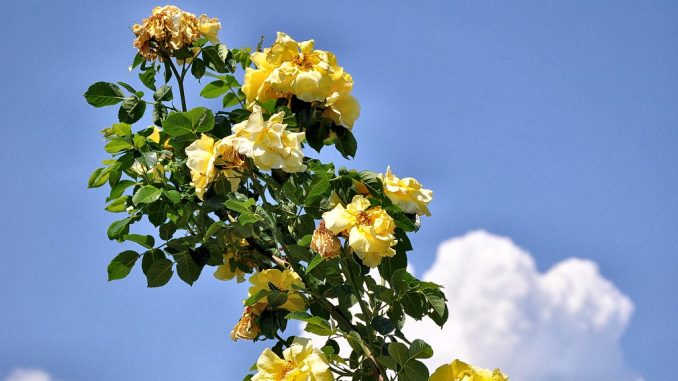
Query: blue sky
[{"x": 553, "y": 123}]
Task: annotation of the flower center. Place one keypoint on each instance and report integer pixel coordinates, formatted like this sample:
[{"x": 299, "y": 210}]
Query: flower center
[
  {"x": 303, "y": 61},
  {"x": 364, "y": 218},
  {"x": 286, "y": 369}
]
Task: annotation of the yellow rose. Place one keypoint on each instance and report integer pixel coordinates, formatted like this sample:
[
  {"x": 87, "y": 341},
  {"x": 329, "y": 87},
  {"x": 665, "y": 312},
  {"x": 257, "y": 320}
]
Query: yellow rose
[
  {"x": 370, "y": 231},
  {"x": 209, "y": 27},
  {"x": 229, "y": 269},
  {"x": 268, "y": 143},
  {"x": 461, "y": 371},
  {"x": 300, "y": 362},
  {"x": 155, "y": 135},
  {"x": 285, "y": 280},
  {"x": 407, "y": 193},
  {"x": 343, "y": 109},
  {"x": 201, "y": 156},
  {"x": 295, "y": 68}
]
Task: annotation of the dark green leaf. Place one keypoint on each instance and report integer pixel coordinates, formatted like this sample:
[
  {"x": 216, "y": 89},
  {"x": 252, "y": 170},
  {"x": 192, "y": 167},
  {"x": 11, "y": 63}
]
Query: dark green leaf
[
  {"x": 122, "y": 264},
  {"x": 103, "y": 94},
  {"x": 198, "y": 68},
  {"x": 131, "y": 110},
  {"x": 399, "y": 352},
  {"x": 196, "y": 120},
  {"x": 159, "y": 272},
  {"x": 147, "y": 77},
  {"x": 419, "y": 349},
  {"x": 163, "y": 94},
  {"x": 187, "y": 269},
  {"x": 276, "y": 298},
  {"x": 146, "y": 241},
  {"x": 346, "y": 143},
  {"x": 317, "y": 259},
  {"x": 382, "y": 325}
]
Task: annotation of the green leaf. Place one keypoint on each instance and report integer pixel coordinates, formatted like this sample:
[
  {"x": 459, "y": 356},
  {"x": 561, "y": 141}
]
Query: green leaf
[
  {"x": 187, "y": 269},
  {"x": 127, "y": 87},
  {"x": 243, "y": 208},
  {"x": 419, "y": 349},
  {"x": 117, "y": 145},
  {"x": 131, "y": 110},
  {"x": 382, "y": 325},
  {"x": 276, "y": 298},
  {"x": 256, "y": 297},
  {"x": 118, "y": 228},
  {"x": 401, "y": 280},
  {"x": 118, "y": 205},
  {"x": 413, "y": 370},
  {"x": 138, "y": 59},
  {"x": 119, "y": 188},
  {"x": 399, "y": 352},
  {"x": 318, "y": 188},
  {"x": 198, "y": 68},
  {"x": 163, "y": 94},
  {"x": 159, "y": 272},
  {"x": 98, "y": 177},
  {"x": 147, "y": 77},
  {"x": 230, "y": 100},
  {"x": 122, "y": 129},
  {"x": 346, "y": 143},
  {"x": 103, "y": 94},
  {"x": 122, "y": 264},
  {"x": 212, "y": 58},
  {"x": 214, "y": 89},
  {"x": 193, "y": 121},
  {"x": 305, "y": 240},
  {"x": 172, "y": 195},
  {"x": 216, "y": 225},
  {"x": 316, "y": 135},
  {"x": 146, "y": 241},
  {"x": 146, "y": 195},
  {"x": 317, "y": 259}
]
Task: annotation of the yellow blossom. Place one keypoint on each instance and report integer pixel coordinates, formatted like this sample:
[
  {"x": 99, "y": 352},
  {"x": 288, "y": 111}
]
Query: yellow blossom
[
  {"x": 268, "y": 143},
  {"x": 209, "y": 27},
  {"x": 285, "y": 280},
  {"x": 300, "y": 362},
  {"x": 155, "y": 135},
  {"x": 295, "y": 68},
  {"x": 247, "y": 327},
  {"x": 343, "y": 109},
  {"x": 202, "y": 156},
  {"x": 407, "y": 193},
  {"x": 324, "y": 242},
  {"x": 370, "y": 231},
  {"x": 461, "y": 371},
  {"x": 230, "y": 269}
]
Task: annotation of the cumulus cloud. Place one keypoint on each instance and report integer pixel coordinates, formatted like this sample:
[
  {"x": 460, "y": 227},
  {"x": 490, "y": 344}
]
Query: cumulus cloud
[
  {"x": 28, "y": 375},
  {"x": 561, "y": 325}
]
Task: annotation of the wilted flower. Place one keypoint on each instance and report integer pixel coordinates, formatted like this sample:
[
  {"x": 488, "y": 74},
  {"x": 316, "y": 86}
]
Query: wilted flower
[
  {"x": 300, "y": 362},
  {"x": 247, "y": 327},
  {"x": 407, "y": 193},
  {"x": 370, "y": 231},
  {"x": 324, "y": 242},
  {"x": 169, "y": 29},
  {"x": 461, "y": 371},
  {"x": 285, "y": 281},
  {"x": 268, "y": 143}
]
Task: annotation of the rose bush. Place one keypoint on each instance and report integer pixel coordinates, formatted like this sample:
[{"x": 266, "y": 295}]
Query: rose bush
[{"x": 236, "y": 189}]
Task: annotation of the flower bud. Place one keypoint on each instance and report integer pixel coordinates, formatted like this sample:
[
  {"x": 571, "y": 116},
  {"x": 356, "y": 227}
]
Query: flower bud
[
  {"x": 247, "y": 327},
  {"x": 324, "y": 242}
]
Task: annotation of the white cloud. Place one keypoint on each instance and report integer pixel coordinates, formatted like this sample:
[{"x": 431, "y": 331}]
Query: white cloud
[
  {"x": 28, "y": 375},
  {"x": 561, "y": 325}
]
